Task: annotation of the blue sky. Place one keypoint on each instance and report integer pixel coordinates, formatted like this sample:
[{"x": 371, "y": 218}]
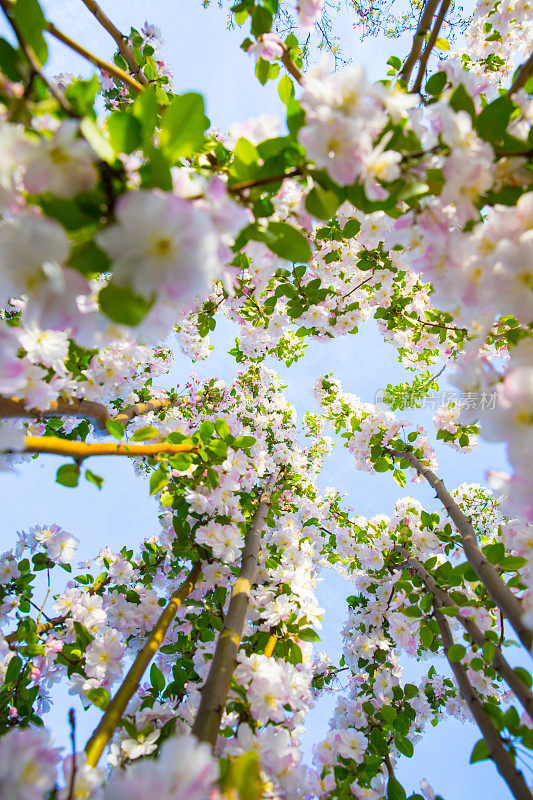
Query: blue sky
[{"x": 205, "y": 57}]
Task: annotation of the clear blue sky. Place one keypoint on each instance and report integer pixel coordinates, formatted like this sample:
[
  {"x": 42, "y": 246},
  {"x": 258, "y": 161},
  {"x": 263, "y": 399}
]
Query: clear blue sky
[{"x": 205, "y": 56}]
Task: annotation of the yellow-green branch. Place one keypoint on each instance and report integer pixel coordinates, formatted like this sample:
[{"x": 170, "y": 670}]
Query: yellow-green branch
[
  {"x": 115, "y": 710},
  {"x": 80, "y": 450},
  {"x": 119, "y": 38},
  {"x": 111, "y": 69}
]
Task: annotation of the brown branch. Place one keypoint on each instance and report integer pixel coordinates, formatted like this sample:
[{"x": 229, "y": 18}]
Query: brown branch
[
  {"x": 502, "y": 759},
  {"x": 418, "y": 38},
  {"x": 521, "y": 79},
  {"x": 501, "y": 596},
  {"x": 499, "y": 663},
  {"x": 12, "y": 408},
  {"x": 54, "y": 622},
  {"x": 430, "y": 45},
  {"x": 216, "y": 687},
  {"x": 290, "y": 66},
  {"x": 115, "y": 710},
  {"x": 111, "y": 69},
  {"x": 120, "y": 39},
  {"x": 251, "y": 184}
]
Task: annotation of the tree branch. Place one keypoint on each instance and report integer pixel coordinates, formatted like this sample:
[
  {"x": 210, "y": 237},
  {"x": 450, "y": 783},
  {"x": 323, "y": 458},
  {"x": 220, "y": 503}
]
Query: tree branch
[
  {"x": 502, "y": 759},
  {"x": 216, "y": 687},
  {"x": 430, "y": 45},
  {"x": 111, "y": 69},
  {"x": 81, "y": 450},
  {"x": 119, "y": 38},
  {"x": 499, "y": 663},
  {"x": 290, "y": 66},
  {"x": 521, "y": 79},
  {"x": 115, "y": 710},
  {"x": 418, "y": 39},
  {"x": 501, "y": 596},
  {"x": 11, "y": 408},
  {"x": 252, "y": 183}
]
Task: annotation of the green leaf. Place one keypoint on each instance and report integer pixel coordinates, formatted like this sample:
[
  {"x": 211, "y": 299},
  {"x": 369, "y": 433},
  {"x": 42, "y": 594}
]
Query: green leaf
[
  {"x": 13, "y": 669},
  {"x": 206, "y": 431},
  {"x": 147, "y": 432},
  {"x": 461, "y": 101},
  {"x": 68, "y": 475},
  {"x": 524, "y": 676},
  {"x": 93, "y": 478},
  {"x": 122, "y": 305},
  {"x": 494, "y": 552},
  {"x": 9, "y": 61},
  {"x": 125, "y": 131},
  {"x": 456, "y": 652},
  {"x": 405, "y": 747},
  {"x": 145, "y": 108},
  {"x": 115, "y": 429},
  {"x": 395, "y": 790},
  {"x": 394, "y": 62},
  {"x": 436, "y": 83},
  {"x": 261, "y": 21},
  {"x": 183, "y": 126},
  {"x": 158, "y": 480},
  {"x": 288, "y": 243},
  {"x": 222, "y": 428},
  {"x": 244, "y": 775},
  {"x": 99, "y": 143},
  {"x": 157, "y": 679},
  {"x": 30, "y": 21},
  {"x": 321, "y": 203},
  {"x": 442, "y": 44},
  {"x": 308, "y": 635},
  {"x": 285, "y": 89},
  {"x": 493, "y": 120},
  {"x": 100, "y": 697},
  {"x": 480, "y": 752}
]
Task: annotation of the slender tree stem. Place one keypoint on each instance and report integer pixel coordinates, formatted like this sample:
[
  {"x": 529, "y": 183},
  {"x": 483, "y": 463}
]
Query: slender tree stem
[
  {"x": 117, "y": 73},
  {"x": 119, "y": 38},
  {"x": 270, "y": 645},
  {"x": 502, "y": 759},
  {"x": 430, "y": 45},
  {"x": 253, "y": 182},
  {"x": 501, "y": 596},
  {"x": 418, "y": 38},
  {"x": 499, "y": 662},
  {"x": 290, "y": 66},
  {"x": 521, "y": 79},
  {"x": 216, "y": 687},
  {"x": 115, "y": 710},
  {"x": 81, "y": 450},
  {"x": 12, "y": 408}
]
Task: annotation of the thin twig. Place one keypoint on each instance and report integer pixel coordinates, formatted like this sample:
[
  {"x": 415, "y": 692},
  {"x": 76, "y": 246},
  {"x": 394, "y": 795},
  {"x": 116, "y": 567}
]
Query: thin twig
[
  {"x": 521, "y": 79},
  {"x": 502, "y": 759},
  {"x": 501, "y": 595},
  {"x": 115, "y": 710},
  {"x": 418, "y": 38},
  {"x": 115, "y": 72},
  {"x": 430, "y": 45},
  {"x": 119, "y": 38}
]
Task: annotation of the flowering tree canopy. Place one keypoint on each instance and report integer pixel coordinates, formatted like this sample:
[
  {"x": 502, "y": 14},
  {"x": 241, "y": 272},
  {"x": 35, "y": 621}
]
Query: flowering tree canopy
[{"x": 125, "y": 217}]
